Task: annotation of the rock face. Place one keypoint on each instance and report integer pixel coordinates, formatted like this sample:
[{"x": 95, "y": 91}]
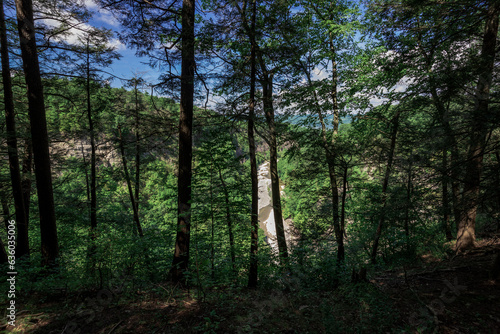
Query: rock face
[{"x": 266, "y": 211}]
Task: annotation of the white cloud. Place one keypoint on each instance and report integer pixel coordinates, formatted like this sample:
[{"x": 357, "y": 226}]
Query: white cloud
[
  {"x": 76, "y": 34},
  {"x": 106, "y": 17},
  {"x": 90, "y": 4}
]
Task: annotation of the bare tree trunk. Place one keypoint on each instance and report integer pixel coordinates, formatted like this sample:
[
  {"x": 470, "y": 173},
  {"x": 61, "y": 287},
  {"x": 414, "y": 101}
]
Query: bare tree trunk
[
  {"x": 180, "y": 263},
  {"x": 39, "y": 135},
  {"x": 466, "y": 235},
  {"x": 385, "y": 184},
  {"x": 254, "y": 239},
  {"x": 22, "y": 245},
  {"x": 129, "y": 184}
]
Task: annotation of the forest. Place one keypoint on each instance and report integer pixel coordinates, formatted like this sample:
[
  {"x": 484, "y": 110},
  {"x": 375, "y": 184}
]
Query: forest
[{"x": 292, "y": 166}]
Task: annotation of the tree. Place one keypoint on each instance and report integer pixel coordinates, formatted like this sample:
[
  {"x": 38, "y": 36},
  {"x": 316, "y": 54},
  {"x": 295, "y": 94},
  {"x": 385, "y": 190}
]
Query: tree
[
  {"x": 40, "y": 141},
  {"x": 479, "y": 131},
  {"x": 181, "y": 254},
  {"x": 266, "y": 79},
  {"x": 254, "y": 237},
  {"x": 22, "y": 246}
]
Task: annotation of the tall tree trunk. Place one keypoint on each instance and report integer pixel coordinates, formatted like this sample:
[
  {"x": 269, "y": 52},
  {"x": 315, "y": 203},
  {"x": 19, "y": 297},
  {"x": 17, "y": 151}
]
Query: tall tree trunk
[
  {"x": 254, "y": 237},
  {"x": 450, "y": 142},
  {"x": 5, "y": 212},
  {"x": 340, "y": 246},
  {"x": 93, "y": 186},
  {"x": 267, "y": 90},
  {"x": 129, "y": 184},
  {"x": 408, "y": 202},
  {"x": 39, "y": 135},
  {"x": 466, "y": 234},
  {"x": 228, "y": 219},
  {"x": 180, "y": 263},
  {"x": 497, "y": 176},
  {"x": 87, "y": 182},
  {"x": 445, "y": 201},
  {"x": 22, "y": 245},
  {"x": 330, "y": 157},
  {"x": 137, "y": 160},
  {"x": 26, "y": 176},
  {"x": 212, "y": 225},
  {"x": 385, "y": 184}
]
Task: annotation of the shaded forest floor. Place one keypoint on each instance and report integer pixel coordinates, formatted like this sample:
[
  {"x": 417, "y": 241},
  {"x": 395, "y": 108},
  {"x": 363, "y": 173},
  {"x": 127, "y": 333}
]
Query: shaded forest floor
[{"x": 437, "y": 296}]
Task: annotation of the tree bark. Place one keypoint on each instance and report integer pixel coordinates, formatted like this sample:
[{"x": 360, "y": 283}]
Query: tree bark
[
  {"x": 39, "y": 135},
  {"x": 180, "y": 262},
  {"x": 22, "y": 245},
  {"x": 254, "y": 215},
  {"x": 466, "y": 235},
  {"x": 385, "y": 184}
]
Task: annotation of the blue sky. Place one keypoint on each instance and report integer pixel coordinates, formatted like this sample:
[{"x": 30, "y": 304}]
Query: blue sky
[{"x": 129, "y": 65}]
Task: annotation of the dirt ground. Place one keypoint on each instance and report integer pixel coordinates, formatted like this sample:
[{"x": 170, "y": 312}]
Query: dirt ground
[{"x": 456, "y": 295}]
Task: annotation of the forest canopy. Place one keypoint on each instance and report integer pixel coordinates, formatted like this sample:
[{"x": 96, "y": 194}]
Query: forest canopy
[{"x": 289, "y": 146}]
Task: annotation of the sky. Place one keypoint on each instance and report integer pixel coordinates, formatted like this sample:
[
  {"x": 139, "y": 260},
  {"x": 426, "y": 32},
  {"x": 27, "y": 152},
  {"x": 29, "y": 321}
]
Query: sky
[{"x": 129, "y": 64}]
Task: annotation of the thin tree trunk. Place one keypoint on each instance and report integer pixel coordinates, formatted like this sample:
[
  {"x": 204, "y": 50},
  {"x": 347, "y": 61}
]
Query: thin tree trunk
[
  {"x": 466, "y": 235},
  {"x": 273, "y": 166},
  {"x": 129, "y": 184},
  {"x": 254, "y": 238},
  {"x": 87, "y": 183},
  {"x": 330, "y": 160},
  {"x": 385, "y": 184},
  {"x": 137, "y": 160},
  {"x": 22, "y": 245},
  {"x": 212, "y": 246},
  {"x": 408, "y": 203},
  {"x": 228, "y": 219},
  {"x": 445, "y": 201},
  {"x": 497, "y": 155},
  {"x": 39, "y": 135},
  {"x": 5, "y": 213},
  {"x": 180, "y": 262},
  {"x": 267, "y": 90},
  {"x": 341, "y": 248},
  {"x": 26, "y": 176},
  {"x": 93, "y": 187},
  {"x": 451, "y": 144},
  {"x": 331, "y": 157}
]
